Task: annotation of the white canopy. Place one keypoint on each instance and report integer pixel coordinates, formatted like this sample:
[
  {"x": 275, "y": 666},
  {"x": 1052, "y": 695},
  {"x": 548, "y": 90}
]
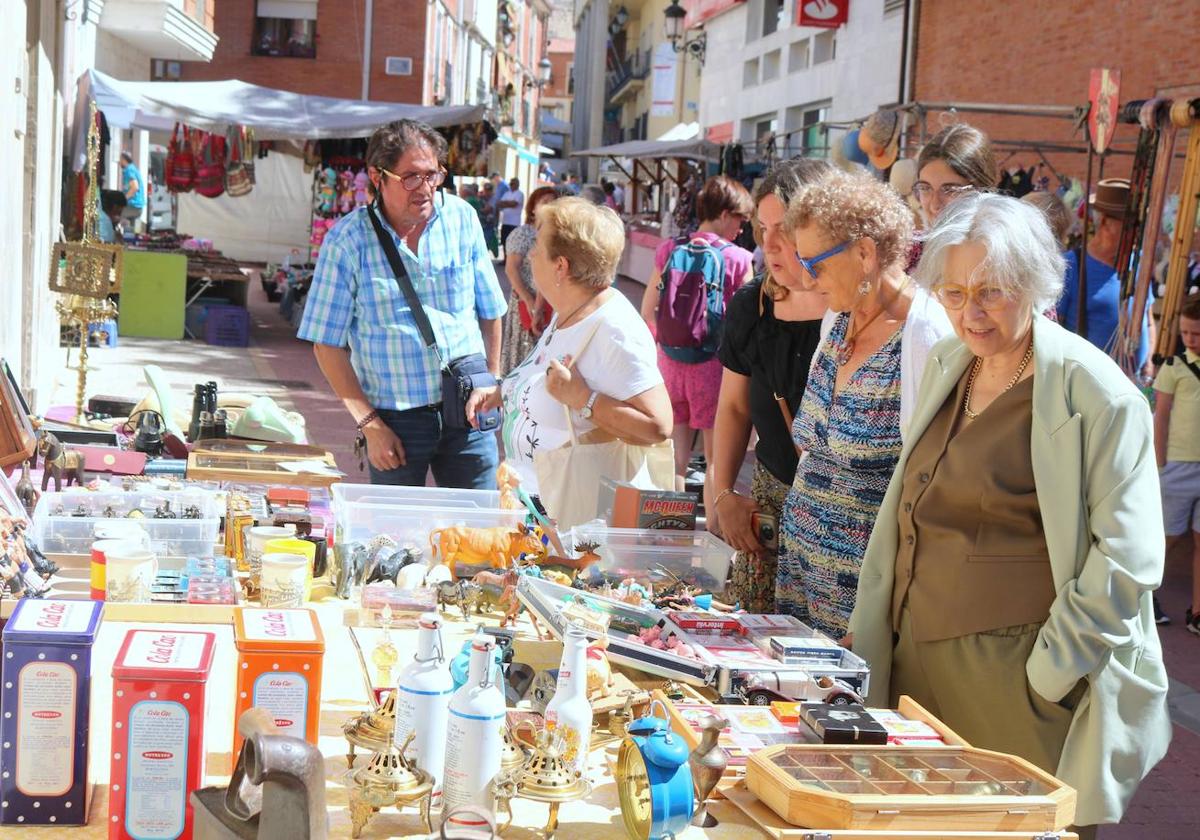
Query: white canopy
[
  {"x": 697, "y": 148},
  {"x": 273, "y": 114}
]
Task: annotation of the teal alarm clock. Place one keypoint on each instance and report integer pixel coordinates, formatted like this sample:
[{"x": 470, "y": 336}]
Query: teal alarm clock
[{"x": 654, "y": 779}]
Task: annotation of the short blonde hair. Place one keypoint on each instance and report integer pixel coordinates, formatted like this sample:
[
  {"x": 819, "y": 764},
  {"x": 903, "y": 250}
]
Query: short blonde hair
[
  {"x": 589, "y": 237},
  {"x": 852, "y": 206}
]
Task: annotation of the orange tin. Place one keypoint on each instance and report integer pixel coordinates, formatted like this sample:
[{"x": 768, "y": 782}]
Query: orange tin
[{"x": 279, "y": 668}]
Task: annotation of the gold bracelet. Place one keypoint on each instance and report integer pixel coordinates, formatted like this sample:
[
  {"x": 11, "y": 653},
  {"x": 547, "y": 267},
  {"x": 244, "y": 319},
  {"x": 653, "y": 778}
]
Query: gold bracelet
[{"x": 727, "y": 492}]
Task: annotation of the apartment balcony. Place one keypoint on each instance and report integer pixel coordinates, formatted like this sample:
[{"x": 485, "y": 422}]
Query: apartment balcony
[
  {"x": 628, "y": 77},
  {"x": 159, "y": 27}
]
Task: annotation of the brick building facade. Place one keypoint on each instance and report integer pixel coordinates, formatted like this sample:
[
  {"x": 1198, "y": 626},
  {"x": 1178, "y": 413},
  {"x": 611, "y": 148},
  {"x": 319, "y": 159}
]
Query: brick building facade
[
  {"x": 398, "y": 31},
  {"x": 1039, "y": 52}
]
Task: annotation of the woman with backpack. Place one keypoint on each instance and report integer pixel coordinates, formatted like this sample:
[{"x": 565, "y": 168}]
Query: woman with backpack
[{"x": 694, "y": 279}]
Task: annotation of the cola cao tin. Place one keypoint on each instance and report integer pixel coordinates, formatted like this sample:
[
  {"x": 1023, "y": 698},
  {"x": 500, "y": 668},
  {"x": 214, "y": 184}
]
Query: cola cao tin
[
  {"x": 279, "y": 668},
  {"x": 157, "y": 733},
  {"x": 47, "y": 677}
]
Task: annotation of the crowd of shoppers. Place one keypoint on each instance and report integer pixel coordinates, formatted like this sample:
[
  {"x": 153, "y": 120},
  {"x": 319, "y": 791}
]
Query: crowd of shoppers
[{"x": 965, "y": 492}]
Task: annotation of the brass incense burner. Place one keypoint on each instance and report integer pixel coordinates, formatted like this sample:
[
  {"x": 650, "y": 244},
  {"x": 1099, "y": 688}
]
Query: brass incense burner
[
  {"x": 371, "y": 730},
  {"x": 388, "y": 779},
  {"x": 548, "y": 777}
]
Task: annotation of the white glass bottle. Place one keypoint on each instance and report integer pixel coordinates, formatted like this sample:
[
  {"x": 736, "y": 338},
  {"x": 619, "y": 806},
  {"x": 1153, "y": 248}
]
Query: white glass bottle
[
  {"x": 423, "y": 702},
  {"x": 475, "y": 735},
  {"x": 569, "y": 711}
]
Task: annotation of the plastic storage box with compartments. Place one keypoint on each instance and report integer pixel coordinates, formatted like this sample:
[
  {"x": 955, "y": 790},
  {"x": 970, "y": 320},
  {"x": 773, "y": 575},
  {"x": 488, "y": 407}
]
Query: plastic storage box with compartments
[{"x": 408, "y": 514}]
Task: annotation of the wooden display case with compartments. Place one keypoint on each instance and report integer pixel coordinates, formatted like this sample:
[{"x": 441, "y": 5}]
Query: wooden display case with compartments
[
  {"x": 251, "y": 462},
  {"x": 908, "y": 788}
]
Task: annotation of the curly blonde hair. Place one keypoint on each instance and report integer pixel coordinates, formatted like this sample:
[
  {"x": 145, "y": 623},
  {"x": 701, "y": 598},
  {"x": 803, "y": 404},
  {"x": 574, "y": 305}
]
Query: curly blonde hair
[
  {"x": 852, "y": 206},
  {"x": 591, "y": 238}
]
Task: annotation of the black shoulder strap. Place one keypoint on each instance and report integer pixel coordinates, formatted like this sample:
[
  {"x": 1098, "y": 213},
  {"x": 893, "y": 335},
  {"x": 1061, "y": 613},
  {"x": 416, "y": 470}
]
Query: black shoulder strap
[
  {"x": 405, "y": 284},
  {"x": 1192, "y": 366}
]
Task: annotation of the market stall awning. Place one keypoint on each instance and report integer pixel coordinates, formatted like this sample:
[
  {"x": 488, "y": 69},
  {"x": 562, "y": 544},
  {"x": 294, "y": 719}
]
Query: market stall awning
[
  {"x": 697, "y": 149},
  {"x": 273, "y": 114},
  {"x": 553, "y": 125}
]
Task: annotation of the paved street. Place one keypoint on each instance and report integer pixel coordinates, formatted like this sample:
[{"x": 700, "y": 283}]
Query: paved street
[{"x": 1167, "y": 806}]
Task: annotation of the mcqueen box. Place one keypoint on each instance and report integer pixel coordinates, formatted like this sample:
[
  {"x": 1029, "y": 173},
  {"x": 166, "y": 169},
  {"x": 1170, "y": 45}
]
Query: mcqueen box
[
  {"x": 158, "y": 732},
  {"x": 46, "y": 702},
  {"x": 843, "y": 724},
  {"x": 279, "y": 668},
  {"x": 622, "y": 505}
]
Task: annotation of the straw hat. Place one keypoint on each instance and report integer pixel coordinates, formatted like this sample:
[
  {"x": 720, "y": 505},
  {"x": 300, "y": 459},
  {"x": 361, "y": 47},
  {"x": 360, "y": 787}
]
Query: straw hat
[{"x": 880, "y": 138}]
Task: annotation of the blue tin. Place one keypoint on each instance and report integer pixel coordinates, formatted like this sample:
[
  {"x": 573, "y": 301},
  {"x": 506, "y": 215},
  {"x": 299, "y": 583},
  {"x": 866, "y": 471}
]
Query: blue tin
[{"x": 46, "y": 701}]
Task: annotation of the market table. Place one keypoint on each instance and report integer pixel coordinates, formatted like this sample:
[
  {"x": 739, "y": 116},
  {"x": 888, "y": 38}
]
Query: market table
[{"x": 343, "y": 695}]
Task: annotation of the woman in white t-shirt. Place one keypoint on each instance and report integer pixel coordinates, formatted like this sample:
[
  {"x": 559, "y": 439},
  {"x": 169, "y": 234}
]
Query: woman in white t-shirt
[{"x": 596, "y": 358}]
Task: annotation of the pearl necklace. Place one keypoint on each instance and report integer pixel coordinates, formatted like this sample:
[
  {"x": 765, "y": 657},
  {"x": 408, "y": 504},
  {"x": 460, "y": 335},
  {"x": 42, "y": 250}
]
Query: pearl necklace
[{"x": 966, "y": 406}]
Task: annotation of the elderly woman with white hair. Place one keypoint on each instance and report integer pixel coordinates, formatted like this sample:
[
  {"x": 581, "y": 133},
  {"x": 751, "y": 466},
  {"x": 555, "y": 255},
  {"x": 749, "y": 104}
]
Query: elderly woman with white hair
[{"x": 1007, "y": 585}]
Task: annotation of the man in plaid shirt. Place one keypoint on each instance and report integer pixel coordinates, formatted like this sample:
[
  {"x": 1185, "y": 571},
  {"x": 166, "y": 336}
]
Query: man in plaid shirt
[{"x": 364, "y": 335}]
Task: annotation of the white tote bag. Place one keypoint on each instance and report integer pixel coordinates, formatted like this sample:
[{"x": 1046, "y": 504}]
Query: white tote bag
[{"x": 569, "y": 476}]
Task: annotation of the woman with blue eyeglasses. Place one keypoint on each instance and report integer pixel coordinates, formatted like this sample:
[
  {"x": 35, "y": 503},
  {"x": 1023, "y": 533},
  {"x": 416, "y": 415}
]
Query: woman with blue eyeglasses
[{"x": 852, "y": 235}]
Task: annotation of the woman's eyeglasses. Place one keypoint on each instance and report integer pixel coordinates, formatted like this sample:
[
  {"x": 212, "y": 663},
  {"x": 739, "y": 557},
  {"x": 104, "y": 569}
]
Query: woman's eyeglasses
[
  {"x": 413, "y": 180},
  {"x": 953, "y": 296},
  {"x": 810, "y": 265},
  {"x": 948, "y": 192}
]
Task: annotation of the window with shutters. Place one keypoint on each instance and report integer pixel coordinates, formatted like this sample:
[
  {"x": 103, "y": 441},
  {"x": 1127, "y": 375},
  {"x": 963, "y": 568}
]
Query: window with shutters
[{"x": 285, "y": 28}]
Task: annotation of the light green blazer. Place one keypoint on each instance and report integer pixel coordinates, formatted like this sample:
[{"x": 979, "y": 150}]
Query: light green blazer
[{"x": 1097, "y": 486}]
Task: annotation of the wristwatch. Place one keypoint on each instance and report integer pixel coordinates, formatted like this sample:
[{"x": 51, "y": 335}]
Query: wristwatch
[{"x": 586, "y": 411}]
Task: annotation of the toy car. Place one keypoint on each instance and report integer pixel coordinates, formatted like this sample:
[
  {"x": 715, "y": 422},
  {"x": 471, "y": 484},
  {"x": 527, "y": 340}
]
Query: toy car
[{"x": 760, "y": 688}]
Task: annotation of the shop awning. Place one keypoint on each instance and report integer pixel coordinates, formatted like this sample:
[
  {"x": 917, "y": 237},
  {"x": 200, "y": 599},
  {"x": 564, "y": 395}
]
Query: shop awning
[
  {"x": 553, "y": 125},
  {"x": 273, "y": 114},
  {"x": 696, "y": 149}
]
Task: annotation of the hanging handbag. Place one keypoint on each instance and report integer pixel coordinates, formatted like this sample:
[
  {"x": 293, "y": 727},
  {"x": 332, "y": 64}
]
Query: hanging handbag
[
  {"x": 569, "y": 476},
  {"x": 460, "y": 376},
  {"x": 249, "y": 153},
  {"x": 210, "y": 174},
  {"x": 237, "y": 180},
  {"x": 180, "y": 165}
]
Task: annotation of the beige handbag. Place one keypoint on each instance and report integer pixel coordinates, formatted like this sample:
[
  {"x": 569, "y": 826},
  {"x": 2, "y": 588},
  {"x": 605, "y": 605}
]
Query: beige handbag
[{"x": 569, "y": 476}]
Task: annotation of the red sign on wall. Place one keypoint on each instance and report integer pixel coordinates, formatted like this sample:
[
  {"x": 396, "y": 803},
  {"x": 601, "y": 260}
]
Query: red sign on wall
[
  {"x": 827, "y": 14},
  {"x": 721, "y": 133},
  {"x": 699, "y": 11}
]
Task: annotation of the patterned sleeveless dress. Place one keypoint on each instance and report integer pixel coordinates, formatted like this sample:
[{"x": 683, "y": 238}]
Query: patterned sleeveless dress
[{"x": 853, "y": 443}]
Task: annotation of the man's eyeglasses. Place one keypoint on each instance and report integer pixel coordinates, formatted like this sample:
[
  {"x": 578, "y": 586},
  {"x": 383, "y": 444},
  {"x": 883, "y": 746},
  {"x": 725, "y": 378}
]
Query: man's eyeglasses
[
  {"x": 955, "y": 297},
  {"x": 413, "y": 180},
  {"x": 948, "y": 192},
  {"x": 810, "y": 265}
]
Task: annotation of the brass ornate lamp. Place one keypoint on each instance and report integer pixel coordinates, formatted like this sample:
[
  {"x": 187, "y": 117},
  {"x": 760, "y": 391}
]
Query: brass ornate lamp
[{"x": 388, "y": 779}]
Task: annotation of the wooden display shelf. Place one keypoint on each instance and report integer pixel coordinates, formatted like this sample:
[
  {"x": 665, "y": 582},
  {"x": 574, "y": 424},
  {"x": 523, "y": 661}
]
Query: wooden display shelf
[
  {"x": 771, "y": 824},
  {"x": 259, "y": 463}
]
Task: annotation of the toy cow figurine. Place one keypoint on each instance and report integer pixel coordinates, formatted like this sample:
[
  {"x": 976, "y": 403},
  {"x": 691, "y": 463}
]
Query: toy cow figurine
[
  {"x": 59, "y": 461},
  {"x": 494, "y": 548}
]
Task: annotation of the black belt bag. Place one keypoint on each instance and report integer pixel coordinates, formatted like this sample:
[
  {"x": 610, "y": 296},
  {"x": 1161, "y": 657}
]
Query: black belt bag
[{"x": 460, "y": 376}]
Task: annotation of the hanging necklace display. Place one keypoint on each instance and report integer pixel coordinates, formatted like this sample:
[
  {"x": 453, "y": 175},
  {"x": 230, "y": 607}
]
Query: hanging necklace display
[
  {"x": 845, "y": 348},
  {"x": 86, "y": 272}
]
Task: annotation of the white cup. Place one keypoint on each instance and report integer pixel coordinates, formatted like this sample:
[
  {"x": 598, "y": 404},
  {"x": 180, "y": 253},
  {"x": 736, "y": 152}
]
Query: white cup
[
  {"x": 120, "y": 529},
  {"x": 256, "y": 540},
  {"x": 284, "y": 577},
  {"x": 129, "y": 573}
]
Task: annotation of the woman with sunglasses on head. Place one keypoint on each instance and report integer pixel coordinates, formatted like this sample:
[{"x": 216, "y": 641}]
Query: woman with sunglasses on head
[
  {"x": 1007, "y": 586},
  {"x": 852, "y": 235},
  {"x": 956, "y": 162},
  {"x": 528, "y": 312},
  {"x": 771, "y": 330}
]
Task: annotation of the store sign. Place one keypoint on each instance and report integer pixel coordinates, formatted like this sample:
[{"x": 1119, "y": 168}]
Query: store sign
[
  {"x": 721, "y": 133},
  {"x": 1104, "y": 91},
  {"x": 826, "y": 14},
  {"x": 701, "y": 11}
]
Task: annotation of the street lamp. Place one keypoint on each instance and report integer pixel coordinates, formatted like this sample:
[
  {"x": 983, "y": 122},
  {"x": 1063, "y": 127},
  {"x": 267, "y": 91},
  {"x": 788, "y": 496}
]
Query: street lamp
[
  {"x": 545, "y": 68},
  {"x": 676, "y": 35}
]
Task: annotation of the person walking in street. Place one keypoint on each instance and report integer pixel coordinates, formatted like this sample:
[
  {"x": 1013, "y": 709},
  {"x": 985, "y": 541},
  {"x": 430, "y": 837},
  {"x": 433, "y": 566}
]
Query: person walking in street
[
  {"x": 852, "y": 235},
  {"x": 528, "y": 312},
  {"x": 771, "y": 331},
  {"x": 956, "y": 161},
  {"x": 485, "y": 208},
  {"x": 1007, "y": 586},
  {"x": 366, "y": 340},
  {"x": 510, "y": 211},
  {"x": 686, "y": 301},
  {"x": 133, "y": 187}
]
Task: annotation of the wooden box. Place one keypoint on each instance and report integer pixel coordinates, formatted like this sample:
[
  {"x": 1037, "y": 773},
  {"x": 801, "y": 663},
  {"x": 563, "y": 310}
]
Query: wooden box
[
  {"x": 17, "y": 438},
  {"x": 251, "y": 462},
  {"x": 908, "y": 788}
]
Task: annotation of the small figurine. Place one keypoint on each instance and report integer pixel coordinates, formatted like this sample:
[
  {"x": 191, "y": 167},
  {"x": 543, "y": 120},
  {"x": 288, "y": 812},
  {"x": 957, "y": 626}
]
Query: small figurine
[
  {"x": 25, "y": 490},
  {"x": 192, "y": 512},
  {"x": 110, "y": 512},
  {"x": 462, "y": 593},
  {"x": 82, "y": 511},
  {"x": 163, "y": 511},
  {"x": 327, "y": 193},
  {"x": 599, "y": 672},
  {"x": 361, "y": 196},
  {"x": 491, "y": 548},
  {"x": 389, "y": 564},
  {"x": 59, "y": 461},
  {"x": 136, "y": 513},
  {"x": 345, "y": 189},
  {"x": 58, "y": 510}
]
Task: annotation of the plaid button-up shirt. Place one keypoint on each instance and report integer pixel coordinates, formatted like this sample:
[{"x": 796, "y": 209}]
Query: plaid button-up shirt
[{"x": 354, "y": 301}]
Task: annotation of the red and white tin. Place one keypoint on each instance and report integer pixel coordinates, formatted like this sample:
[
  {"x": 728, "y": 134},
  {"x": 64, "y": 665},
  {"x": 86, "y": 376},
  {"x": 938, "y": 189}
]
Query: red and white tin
[
  {"x": 158, "y": 733},
  {"x": 279, "y": 669},
  {"x": 46, "y": 702}
]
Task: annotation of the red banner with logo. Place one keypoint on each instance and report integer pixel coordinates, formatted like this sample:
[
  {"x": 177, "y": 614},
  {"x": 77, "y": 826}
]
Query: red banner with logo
[{"x": 826, "y": 14}]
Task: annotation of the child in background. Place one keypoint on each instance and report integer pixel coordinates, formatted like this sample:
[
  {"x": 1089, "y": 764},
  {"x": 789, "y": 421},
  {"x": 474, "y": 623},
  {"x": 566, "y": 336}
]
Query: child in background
[{"x": 1177, "y": 445}]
